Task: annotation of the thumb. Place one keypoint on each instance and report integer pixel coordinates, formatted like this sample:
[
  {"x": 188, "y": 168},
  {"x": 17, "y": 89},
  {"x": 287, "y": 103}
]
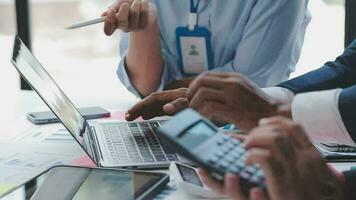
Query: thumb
[
  {"x": 258, "y": 194},
  {"x": 176, "y": 106}
]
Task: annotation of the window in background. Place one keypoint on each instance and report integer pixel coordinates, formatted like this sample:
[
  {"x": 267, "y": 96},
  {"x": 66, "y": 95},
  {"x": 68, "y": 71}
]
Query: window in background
[
  {"x": 86, "y": 60},
  {"x": 83, "y": 61},
  {"x": 324, "y": 40},
  {"x": 9, "y": 82}
]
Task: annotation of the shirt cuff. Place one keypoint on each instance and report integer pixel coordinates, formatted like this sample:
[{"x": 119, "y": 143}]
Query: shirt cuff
[
  {"x": 125, "y": 79},
  {"x": 319, "y": 114},
  {"x": 280, "y": 94}
]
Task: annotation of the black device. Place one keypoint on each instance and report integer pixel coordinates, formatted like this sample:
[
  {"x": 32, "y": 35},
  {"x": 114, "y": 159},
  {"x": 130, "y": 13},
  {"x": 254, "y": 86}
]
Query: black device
[
  {"x": 80, "y": 183},
  {"x": 197, "y": 139},
  {"x": 49, "y": 117}
]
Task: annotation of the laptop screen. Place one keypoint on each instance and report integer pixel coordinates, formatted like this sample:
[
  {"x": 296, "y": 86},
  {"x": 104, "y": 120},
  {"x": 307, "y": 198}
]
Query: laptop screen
[{"x": 48, "y": 90}]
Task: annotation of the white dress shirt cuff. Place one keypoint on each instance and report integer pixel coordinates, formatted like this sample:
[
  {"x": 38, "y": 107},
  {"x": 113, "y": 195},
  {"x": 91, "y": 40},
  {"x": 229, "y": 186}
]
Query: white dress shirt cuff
[
  {"x": 318, "y": 113},
  {"x": 280, "y": 94}
]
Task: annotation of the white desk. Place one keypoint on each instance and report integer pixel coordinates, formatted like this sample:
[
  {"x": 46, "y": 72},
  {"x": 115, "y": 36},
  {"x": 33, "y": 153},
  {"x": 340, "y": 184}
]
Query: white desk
[{"x": 29, "y": 98}]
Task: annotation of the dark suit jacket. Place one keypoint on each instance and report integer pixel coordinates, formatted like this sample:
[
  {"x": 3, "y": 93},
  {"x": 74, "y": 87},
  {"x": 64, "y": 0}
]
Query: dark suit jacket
[
  {"x": 338, "y": 74},
  {"x": 350, "y": 185}
]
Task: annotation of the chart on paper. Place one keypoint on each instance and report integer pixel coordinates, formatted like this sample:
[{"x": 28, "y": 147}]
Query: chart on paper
[{"x": 18, "y": 163}]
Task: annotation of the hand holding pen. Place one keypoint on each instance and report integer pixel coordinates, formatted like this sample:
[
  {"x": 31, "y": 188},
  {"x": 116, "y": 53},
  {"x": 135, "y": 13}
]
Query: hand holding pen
[{"x": 126, "y": 15}]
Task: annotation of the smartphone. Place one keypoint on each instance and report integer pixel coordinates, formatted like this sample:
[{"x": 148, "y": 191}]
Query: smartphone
[
  {"x": 48, "y": 116},
  {"x": 81, "y": 183},
  {"x": 188, "y": 179}
]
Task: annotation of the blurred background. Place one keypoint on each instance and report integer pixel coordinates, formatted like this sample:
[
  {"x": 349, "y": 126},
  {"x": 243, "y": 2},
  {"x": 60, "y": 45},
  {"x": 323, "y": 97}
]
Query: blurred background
[{"x": 85, "y": 59}]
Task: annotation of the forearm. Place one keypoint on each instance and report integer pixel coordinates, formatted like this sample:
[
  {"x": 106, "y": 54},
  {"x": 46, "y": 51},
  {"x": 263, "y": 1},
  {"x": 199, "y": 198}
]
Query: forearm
[
  {"x": 144, "y": 61},
  {"x": 349, "y": 185}
]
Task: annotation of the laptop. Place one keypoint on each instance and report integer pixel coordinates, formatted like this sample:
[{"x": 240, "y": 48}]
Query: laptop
[{"x": 107, "y": 143}]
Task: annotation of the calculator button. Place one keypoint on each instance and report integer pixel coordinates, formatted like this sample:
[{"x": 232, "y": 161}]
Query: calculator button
[
  {"x": 245, "y": 175},
  {"x": 236, "y": 142},
  {"x": 255, "y": 179},
  {"x": 235, "y": 170},
  {"x": 226, "y": 149},
  {"x": 230, "y": 159},
  {"x": 251, "y": 170},
  {"x": 236, "y": 154},
  {"x": 223, "y": 140},
  {"x": 219, "y": 154},
  {"x": 214, "y": 160},
  {"x": 231, "y": 145},
  {"x": 220, "y": 142},
  {"x": 259, "y": 173},
  {"x": 239, "y": 164},
  {"x": 240, "y": 150},
  {"x": 223, "y": 164}
]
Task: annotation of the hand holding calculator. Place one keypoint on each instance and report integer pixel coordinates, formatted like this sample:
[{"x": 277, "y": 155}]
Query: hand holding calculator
[{"x": 195, "y": 138}]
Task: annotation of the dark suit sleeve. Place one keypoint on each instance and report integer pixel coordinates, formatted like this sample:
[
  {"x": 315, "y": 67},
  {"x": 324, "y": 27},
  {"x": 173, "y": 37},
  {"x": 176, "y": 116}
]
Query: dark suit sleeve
[
  {"x": 350, "y": 184},
  {"x": 347, "y": 108},
  {"x": 338, "y": 74}
]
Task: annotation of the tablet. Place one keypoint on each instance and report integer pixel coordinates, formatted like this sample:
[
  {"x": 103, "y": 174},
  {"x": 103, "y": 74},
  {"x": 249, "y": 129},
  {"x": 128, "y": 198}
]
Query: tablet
[{"x": 79, "y": 183}]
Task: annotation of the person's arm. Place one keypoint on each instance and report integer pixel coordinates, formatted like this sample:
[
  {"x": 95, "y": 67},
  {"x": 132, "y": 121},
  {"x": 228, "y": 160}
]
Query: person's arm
[
  {"x": 143, "y": 61},
  {"x": 321, "y": 115},
  {"x": 271, "y": 41},
  {"x": 326, "y": 115},
  {"x": 338, "y": 74},
  {"x": 142, "y": 64},
  {"x": 347, "y": 107},
  {"x": 349, "y": 192}
]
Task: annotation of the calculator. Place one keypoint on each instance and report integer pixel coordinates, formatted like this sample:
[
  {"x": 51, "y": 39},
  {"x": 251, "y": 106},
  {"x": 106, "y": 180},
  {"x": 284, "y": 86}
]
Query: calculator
[{"x": 199, "y": 140}]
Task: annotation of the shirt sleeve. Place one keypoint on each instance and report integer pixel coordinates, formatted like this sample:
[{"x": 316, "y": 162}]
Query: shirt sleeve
[
  {"x": 349, "y": 192},
  {"x": 279, "y": 94},
  {"x": 347, "y": 106},
  {"x": 167, "y": 74},
  {"x": 340, "y": 73},
  {"x": 319, "y": 114},
  {"x": 271, "y": 42}
]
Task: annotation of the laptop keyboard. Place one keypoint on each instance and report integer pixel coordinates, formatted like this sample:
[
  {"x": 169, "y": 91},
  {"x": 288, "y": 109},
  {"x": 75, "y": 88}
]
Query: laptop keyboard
[{"x": 135, "y": 143}]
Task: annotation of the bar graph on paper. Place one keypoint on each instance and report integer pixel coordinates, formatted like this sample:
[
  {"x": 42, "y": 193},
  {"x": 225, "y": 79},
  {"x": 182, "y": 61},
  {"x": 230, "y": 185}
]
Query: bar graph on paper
[
  {"x": 18, "y": 163},
  {"x": 45, "y": 134}
]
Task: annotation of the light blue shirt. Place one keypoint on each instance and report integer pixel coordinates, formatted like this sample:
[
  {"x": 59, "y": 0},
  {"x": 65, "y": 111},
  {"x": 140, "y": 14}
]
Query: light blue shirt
[{"x": 261, "y": 39}]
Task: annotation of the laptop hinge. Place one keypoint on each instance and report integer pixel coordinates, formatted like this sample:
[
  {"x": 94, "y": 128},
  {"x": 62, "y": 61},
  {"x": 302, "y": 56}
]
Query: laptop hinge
[{"x": 95, "y": 145}]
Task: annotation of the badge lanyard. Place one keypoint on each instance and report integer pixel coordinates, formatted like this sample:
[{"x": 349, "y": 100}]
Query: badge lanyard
[
  {"x": 193, "y": 44},
  {"x": 193, "y": 15}
]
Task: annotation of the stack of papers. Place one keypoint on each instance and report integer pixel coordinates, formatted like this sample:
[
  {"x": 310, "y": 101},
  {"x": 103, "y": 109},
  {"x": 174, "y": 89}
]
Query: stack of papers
[{"x": 335, "y": 156}]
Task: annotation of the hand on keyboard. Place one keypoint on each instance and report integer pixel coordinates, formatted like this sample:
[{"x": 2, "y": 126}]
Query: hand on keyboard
[{"x": 157, "y": 104}]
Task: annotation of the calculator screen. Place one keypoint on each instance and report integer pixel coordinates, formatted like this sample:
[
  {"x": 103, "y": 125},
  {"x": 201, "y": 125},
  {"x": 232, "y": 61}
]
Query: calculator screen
[{"x": 196, "y": 135}]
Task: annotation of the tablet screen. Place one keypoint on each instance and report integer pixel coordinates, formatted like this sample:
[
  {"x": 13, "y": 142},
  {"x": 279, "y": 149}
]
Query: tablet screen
[{"x": 76, "y": 183}]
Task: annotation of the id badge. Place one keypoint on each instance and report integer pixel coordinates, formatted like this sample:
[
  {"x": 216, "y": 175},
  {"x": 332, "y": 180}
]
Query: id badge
[{"x": 194, "y": 50}]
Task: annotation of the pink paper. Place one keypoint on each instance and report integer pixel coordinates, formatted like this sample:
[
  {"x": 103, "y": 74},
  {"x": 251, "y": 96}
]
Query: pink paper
[
  {"x": 120, "y": 115},
  {"x": 84, "y": 161}
]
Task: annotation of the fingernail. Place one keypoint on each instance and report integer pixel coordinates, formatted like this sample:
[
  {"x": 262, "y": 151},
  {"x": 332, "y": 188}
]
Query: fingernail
[
  {"x": 169, "y": 108},
  {"x": 127, "y": 115},
  {"x": 263, "y": 121}
]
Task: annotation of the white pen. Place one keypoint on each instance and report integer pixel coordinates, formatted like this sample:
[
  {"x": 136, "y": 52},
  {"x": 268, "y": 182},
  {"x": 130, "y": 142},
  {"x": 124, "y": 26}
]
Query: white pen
[{"x": 87, "y": 23}]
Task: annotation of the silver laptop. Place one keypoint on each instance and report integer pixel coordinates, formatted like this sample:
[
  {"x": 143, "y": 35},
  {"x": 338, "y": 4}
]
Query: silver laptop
[{"x": 109, "y": 144}]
